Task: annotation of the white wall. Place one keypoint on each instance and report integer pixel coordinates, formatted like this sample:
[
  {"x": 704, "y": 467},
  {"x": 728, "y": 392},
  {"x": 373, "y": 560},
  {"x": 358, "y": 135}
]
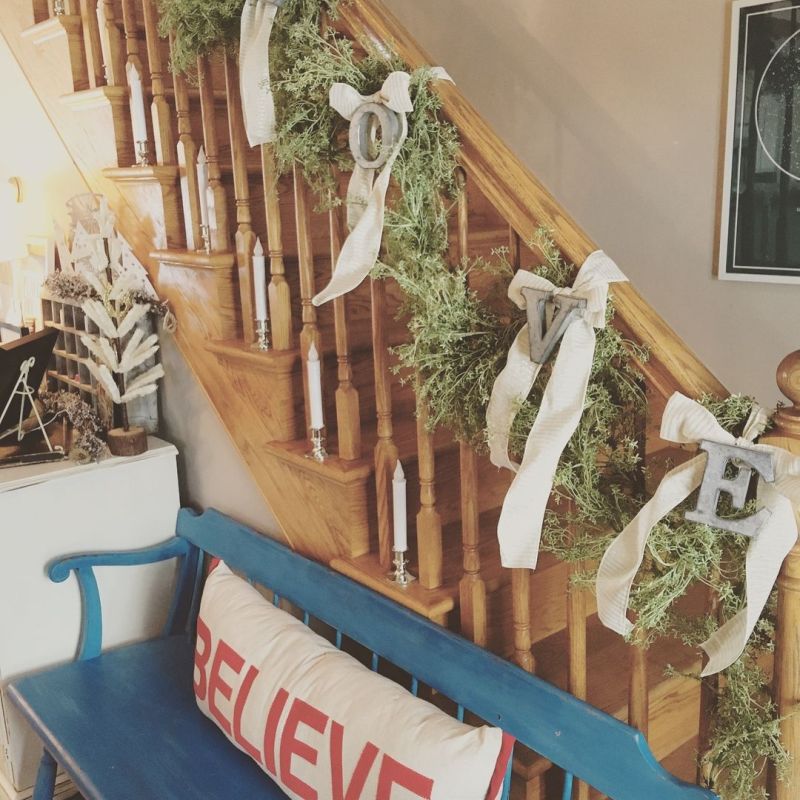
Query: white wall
[
  {"x": 616, "y": 106},
  {"x": 212, "y": 472}
]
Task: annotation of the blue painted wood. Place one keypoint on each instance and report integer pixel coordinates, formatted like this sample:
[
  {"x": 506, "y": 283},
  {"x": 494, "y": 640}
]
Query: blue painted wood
[
  {"x": 376, "y": 660},
  {"x": 45, "y": 778},
  {"x": 507, "y": 779},
  {"x": 92, "y": 621},
  {"x": 460, "y": 713},
  {"x": 126, "y": 727},
  {"x": 414, "y": 686},
  {"x": 568, "y": 781},
  {"x": 604, "y": 752},
  {"x": 184, "y": 599},
  {"x": 105, "y": 718}
]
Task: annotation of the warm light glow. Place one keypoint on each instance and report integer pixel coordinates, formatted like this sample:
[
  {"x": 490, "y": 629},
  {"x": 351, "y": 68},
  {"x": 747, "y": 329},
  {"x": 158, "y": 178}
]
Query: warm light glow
[{"x": 12, "y": 227}]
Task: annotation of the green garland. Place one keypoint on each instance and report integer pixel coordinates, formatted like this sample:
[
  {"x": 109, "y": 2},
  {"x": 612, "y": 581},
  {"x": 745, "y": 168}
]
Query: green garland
[{"x": 458, "y": 344}]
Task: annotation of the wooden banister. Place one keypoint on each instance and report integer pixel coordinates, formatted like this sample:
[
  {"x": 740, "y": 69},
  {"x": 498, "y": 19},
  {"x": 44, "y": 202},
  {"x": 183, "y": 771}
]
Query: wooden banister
[
  {"x": 131, "y": 28},
  {"x": 786, "y": 683},
  {"x": 91, "y": 43},
  {"x": 280, "y": 299},
  {"x": 526, "y": 205},
  {"x": 113, "y": 48},
  {"x": 310, "y": 332},
  {"x": 160, "y": 111},
  {"x": 429, "y": 521},
  {"x": 186, "y": 155},
  {"x": 218, "y": 210},
  {"x": 386, "y": 453},
  {"x": 472, "y": 589},
  {"x": 245, "y": 238},
  {"x": 348, "y": 413}
]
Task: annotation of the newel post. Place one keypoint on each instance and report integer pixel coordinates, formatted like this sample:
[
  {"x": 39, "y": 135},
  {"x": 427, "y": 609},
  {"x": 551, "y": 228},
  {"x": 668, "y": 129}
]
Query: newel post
[{"x": 786, "y": 685}]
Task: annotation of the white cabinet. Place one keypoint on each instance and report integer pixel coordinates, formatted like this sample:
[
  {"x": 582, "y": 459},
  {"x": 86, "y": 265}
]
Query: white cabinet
[{"x": 50, "y": 510}]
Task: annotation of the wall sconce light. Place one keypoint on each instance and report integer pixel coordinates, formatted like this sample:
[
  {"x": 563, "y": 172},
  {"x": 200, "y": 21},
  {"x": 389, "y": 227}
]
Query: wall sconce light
[{"x": 14, "y": 189}]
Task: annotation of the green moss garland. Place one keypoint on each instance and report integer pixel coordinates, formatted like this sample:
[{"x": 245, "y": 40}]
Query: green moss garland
[{"x": 459, "y": 343}]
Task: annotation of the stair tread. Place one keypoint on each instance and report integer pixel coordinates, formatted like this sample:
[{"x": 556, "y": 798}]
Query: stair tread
[{"x": 430, "y": 602}]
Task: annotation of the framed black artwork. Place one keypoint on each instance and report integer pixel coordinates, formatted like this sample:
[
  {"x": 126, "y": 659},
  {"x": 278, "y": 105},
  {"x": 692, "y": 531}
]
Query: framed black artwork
[{"x": 760, "y": 219}]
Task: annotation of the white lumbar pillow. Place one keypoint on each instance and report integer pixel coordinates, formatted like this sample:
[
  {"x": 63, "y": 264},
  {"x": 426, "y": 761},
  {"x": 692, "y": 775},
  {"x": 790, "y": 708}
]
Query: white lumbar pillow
[{"x": 322, "y": 725}]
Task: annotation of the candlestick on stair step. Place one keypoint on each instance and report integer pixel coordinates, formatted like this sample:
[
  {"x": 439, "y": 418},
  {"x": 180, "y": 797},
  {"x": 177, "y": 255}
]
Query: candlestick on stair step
[{"x": 314, "y": 375}]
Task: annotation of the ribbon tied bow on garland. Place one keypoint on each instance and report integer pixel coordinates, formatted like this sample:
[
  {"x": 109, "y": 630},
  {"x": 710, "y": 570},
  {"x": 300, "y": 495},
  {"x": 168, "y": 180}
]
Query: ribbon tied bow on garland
[
  {"x": 520, "y": 526},
  {"x": 366, "y": 194},
  {"x": 258, "y": 106},
  {"x": 686, "y": 421}
]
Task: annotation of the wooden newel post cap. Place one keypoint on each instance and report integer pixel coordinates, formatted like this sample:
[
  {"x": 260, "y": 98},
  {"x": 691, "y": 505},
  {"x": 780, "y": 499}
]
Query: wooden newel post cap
[{"x": 788, "y": 377}]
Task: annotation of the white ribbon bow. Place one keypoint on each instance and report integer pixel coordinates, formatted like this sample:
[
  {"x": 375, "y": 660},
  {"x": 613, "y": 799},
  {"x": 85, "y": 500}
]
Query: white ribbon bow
[
  {"x": 686, "y": 421},
  {"x": 258, "y": 107},
  {"x": 520, "y": 526},
  {"x": 366, "y": 195}
]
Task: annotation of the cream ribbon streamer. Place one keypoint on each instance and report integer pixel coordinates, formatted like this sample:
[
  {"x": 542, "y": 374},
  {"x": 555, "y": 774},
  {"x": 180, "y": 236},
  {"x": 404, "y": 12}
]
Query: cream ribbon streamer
[
  {"x": 258, "y": 107},
  {"x": 366, "y": 195},
  {"x": 686, "y": 421},
  {"x": 520, "y": 526}
]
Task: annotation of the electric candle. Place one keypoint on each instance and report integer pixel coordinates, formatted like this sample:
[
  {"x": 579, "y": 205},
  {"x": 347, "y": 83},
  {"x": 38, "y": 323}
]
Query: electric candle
[
  {"x": 399, "y": 498},
  {"x": 202, "y": 185},
  {"x": 314, "y": 371},
  {"x": 260, "y": 282},
  {"x": 138, "y": 115}
]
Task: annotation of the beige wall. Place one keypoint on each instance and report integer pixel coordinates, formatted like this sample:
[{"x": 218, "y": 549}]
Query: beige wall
[
  {"x": 212, "y": 472},
  {"x": 616, "y": 106}
]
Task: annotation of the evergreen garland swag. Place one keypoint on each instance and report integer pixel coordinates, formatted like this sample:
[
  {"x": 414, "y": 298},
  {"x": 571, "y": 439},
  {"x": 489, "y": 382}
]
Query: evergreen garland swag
[{"x": 459, "y": 341}]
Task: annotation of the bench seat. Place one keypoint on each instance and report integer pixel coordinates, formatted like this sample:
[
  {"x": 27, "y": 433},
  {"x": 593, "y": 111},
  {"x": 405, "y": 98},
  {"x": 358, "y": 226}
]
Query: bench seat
[{"x": 128, "y": 728}]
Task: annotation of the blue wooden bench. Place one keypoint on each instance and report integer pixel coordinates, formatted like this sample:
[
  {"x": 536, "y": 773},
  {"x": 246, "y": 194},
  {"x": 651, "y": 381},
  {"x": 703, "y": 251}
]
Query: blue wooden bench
[{"x": 124, "y": 724}]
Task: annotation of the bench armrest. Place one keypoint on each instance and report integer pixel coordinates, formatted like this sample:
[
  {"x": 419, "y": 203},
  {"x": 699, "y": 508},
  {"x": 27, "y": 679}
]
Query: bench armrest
[{"x": 92, "y": 618}]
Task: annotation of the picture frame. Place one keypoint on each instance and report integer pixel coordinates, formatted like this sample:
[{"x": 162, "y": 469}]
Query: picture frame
[{"x": 760, "y": 202}]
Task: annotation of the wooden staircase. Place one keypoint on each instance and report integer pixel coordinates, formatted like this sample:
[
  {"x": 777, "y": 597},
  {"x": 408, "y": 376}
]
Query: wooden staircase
[{"x": 338, "y": 511}]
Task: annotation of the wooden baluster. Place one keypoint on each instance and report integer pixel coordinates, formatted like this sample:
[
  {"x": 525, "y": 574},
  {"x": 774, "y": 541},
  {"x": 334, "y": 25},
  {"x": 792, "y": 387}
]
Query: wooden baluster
[
  {"x": 111, "y": 43},
  {"x": 429, "y": 521},
  {"x": 218, "y": 204},
  {"x": 638, "y": 685},
  {"x": 514, "y": 249},
  {"x": 348, "y": 414},
  {"x": 131, "y": 29},
  {"x": 577, "y": 671},
  {"x": 91, "y": 42},
  {"x": 521, "y": 605},
  {"x": 280, "y": 298},
  {"x": 786, "y": 683},
  {"x": 186, "y": 152},
  {"x": 709, "y": 688},
  {"x": 310, "y": 333},
  {"x": 161, "y": 113},
  {"x": 472, "y": 588},
  {"x": 245, "y": 237},
  {"x": 386, "y": 453}
]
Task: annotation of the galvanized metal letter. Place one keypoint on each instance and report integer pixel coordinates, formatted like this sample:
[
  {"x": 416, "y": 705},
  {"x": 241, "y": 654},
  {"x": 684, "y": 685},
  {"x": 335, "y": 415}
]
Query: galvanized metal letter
[{"x": 714, "y": 483}]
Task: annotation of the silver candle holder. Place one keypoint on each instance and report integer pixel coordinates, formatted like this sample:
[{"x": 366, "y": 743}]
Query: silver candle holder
[
  {"x": 59, "y": 8},
  {"x": 318, "y": 452},
  {"x": 205, "y": 235},
  {"x": 262, "y": 335},
  {"x": 400, "y": 574},
  {"x": 143, "y": 154}
]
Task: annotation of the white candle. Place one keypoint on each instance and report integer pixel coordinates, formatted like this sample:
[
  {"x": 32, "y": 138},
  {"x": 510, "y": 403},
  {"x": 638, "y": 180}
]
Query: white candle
[
  {"x": 399, "y": 504},
  {"x": 260, "y": 282},
  {"x": 138, "y": 115},
  {"x": 314, "y": 370},
  {"x": 202, "y": 185}
]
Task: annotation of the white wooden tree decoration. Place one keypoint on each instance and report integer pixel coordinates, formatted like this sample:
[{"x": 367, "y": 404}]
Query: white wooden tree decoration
[{"x": 121, "y": 348}]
